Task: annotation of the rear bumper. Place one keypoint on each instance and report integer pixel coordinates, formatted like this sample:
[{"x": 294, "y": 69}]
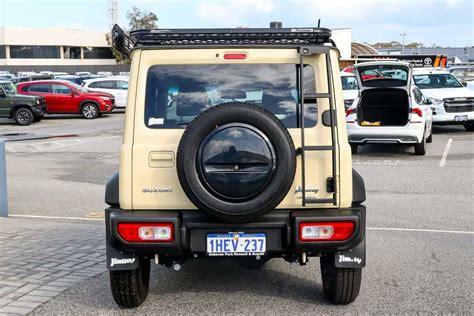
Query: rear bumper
[
  {"x": 409, "y": 134},
  {"x": 451, "y": 118},
  {"x": 383, "y": 139},
  {"x": 192, "y": 227}
]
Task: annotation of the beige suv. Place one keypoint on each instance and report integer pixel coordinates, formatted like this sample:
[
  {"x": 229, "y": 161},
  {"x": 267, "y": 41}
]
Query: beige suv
[{"x": 235, "y": 146}]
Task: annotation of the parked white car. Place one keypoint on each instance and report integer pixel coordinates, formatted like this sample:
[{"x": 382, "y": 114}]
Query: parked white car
[
  {"x": 105, "y": 73},
  {"x": 451, "y": 102},
  {"x": 118, "y": 86},
  {"x": 350, "y": 88},
  {"x": 390, "y": 109}
]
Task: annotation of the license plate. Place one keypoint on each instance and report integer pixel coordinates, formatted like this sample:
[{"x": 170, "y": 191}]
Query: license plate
[
  {"x": 460, "y": 118},
  {"x": 236, "y": 244}
]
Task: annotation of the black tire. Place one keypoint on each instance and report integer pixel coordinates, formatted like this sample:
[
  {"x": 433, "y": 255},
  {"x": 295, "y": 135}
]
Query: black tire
[
  {"x": 430, "y": 137},
  {"x": 469, "y": 126},
  {"x": 130, "y": 287},
  {"x": 354, "y": 148},
  {"x": 38, "y": 119},
  {"x": 341, "y": 285},
  {"x": 420, "y": 149},
  {"x": 251, "y": 263},
  {"x": 273, "y": 191},
  {"x": 89, "y": 111},
  {"x": 23, "y": 116}
]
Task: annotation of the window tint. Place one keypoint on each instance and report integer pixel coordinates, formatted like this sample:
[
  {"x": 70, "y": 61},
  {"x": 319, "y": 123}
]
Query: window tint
[
  {"x": 98, "y": 53},
  {"x": 3, "y": 53},
  {"x": 122, "y": 85},
  {"x": 40, "y": 88},
  {"x": 175, "y": 94},
  {"x": 418, "y": 95},
  {"x": 109, "y": 84},
  {"x": 383, "y": 75},
  {"x": 72, "y": 52},
  {"x": 349, "y": 83},
  {"x": 34, "y": 51},
  {"x": 61, "y": 89}
]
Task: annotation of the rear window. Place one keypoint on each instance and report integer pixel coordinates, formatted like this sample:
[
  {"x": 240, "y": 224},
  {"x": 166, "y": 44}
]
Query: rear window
[
  {"x": 383, "y": 75},
  {"x": 176, "y": 94},
  {"x": 46, "y": 88}
]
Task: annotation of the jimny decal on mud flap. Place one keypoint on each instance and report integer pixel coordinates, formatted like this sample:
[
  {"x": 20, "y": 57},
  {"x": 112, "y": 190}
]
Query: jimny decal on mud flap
[
  {"x": 343, "y": 258},
  {"x": 115, "y": 261}
]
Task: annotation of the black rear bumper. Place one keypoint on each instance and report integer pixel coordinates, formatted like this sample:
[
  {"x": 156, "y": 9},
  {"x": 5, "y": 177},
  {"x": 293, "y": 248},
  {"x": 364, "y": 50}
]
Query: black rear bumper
[{"x": 191, "y": 228}]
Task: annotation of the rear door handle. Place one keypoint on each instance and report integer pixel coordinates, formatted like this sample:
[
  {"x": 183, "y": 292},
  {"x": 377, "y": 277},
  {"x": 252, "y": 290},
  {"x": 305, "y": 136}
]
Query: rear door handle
[{"x": 161, "y": 159}]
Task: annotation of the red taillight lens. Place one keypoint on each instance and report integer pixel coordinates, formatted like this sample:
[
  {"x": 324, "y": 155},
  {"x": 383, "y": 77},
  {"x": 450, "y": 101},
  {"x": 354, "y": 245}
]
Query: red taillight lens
[
  {"x": 417, "y": 111},
  {"x": 146, "y": 232},
  {"x": 325, "y": 231},
  {"x": 235, "y": 56},
  {"x": 350, "y": 111}
]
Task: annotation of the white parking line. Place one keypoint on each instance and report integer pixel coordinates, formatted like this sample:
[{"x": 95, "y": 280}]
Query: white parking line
[
  {"x": 445, "y": 153},
  {"x": 108, "y": 156},
  {"x": 421, "y": 230},
  {"x": 368, "y": 228},
  {"x": 57, "y": 217}
]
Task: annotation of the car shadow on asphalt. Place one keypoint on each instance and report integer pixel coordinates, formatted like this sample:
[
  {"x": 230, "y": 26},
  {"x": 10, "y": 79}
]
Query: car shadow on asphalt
[{"x": 388, "y": 150}]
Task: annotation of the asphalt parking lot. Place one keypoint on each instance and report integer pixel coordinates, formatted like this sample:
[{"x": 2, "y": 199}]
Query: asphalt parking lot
[{"x": 420, "y": 218}]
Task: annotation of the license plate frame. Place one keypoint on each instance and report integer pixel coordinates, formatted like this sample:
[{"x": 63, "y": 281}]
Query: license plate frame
[
  {"x": 460, "y": 118},
  {"x": 236, "y": 244}
]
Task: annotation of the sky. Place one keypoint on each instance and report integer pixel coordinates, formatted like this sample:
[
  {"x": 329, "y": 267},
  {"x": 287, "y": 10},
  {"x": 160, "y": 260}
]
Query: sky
[{"x": 441, "y": 22}]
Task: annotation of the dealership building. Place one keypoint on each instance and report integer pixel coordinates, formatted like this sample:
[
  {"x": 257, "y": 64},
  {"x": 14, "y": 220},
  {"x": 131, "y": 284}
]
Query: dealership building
[
  {"x": 55, "y": 49},
  {"x": 70, "y": 50}
]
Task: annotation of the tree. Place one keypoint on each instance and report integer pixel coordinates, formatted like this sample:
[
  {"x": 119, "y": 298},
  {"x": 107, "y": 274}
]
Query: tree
[
  {"x": 414, "y": 45},
  {"x": 139, "y": 19}
]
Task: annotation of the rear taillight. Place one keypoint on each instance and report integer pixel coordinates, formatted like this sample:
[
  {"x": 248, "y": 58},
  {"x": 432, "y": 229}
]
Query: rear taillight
[
  {"x": 146, "y": 232},
  {"x": 417, "y": 111},
  {"x": 350, "y": 111},
  {"x": 325, "y": 231},
  {"x": 235, "y": 56}
]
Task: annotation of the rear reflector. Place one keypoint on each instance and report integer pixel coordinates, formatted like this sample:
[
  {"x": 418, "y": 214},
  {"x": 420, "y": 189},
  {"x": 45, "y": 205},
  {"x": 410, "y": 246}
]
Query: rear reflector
[
  {"x": 325, "y": 231},
  {"x": 146, "y": 232},
  {"x": 350, "y": 111},
  {"x": 417, "y": 111},
  {"x": 235, "y": 56}
]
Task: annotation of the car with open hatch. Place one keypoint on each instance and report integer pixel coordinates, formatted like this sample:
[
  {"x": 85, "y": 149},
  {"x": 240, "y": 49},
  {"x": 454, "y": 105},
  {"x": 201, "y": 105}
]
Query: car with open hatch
[
  {"x": 23, "y": 109},
  {"x": 451, "y": 102},
  {"x": 235, "y": 146},
  {"x": 389, "y": 109},
  {"x": 65, "y": 97}
]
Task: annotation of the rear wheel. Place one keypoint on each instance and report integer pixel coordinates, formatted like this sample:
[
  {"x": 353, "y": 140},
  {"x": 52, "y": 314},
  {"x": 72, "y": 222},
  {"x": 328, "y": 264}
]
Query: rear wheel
[
  {"x": 89, "y": 111},
  {"x": 341, "y": 285},
  {"x": 130, "y": 287},
  {"x": 354, "y": 148},
  {"x": 420, "y": 147},
  {"x": 23, "y": 116},
  {"x": 469, "y": 126}
]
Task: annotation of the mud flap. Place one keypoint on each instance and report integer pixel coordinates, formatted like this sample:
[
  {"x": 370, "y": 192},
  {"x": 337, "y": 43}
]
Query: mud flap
[
  {"x": 351, "y": 258},
  {"x": 118, "y": 260}
]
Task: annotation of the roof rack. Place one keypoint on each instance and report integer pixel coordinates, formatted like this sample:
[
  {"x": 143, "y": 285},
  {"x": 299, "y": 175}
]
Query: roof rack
[{"x": 308, "y": 36}]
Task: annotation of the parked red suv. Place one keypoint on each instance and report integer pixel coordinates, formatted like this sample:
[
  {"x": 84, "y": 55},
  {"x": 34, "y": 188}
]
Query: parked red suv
[{"x": 67, "y": 97}]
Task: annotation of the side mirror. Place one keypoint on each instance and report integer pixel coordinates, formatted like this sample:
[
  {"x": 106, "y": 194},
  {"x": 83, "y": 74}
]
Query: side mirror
[
  {"x": 72, "y": 94},
  {"x": 464, "y": 84},
  {"x": 2, "y": 94},
  {"x": 428, "y": 101}
]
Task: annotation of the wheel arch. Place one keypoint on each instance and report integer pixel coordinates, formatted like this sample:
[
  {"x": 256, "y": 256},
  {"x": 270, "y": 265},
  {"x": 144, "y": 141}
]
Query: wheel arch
[
  {"x": 112, "y": 190},
  {"x": 19, "y": 106}
]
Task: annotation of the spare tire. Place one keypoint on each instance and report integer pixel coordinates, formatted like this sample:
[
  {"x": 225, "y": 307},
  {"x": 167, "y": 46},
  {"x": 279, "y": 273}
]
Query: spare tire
[{"x": 236, "y": 161}]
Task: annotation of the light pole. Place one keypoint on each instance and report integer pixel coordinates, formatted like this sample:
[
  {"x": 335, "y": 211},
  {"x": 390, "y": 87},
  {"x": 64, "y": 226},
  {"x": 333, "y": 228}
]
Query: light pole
[{"x": 403, "y": 42}]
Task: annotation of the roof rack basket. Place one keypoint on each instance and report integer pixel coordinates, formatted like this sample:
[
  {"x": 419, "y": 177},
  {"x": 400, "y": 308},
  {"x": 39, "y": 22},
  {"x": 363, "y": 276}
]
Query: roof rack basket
[{"x": 264, "y": 37}]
